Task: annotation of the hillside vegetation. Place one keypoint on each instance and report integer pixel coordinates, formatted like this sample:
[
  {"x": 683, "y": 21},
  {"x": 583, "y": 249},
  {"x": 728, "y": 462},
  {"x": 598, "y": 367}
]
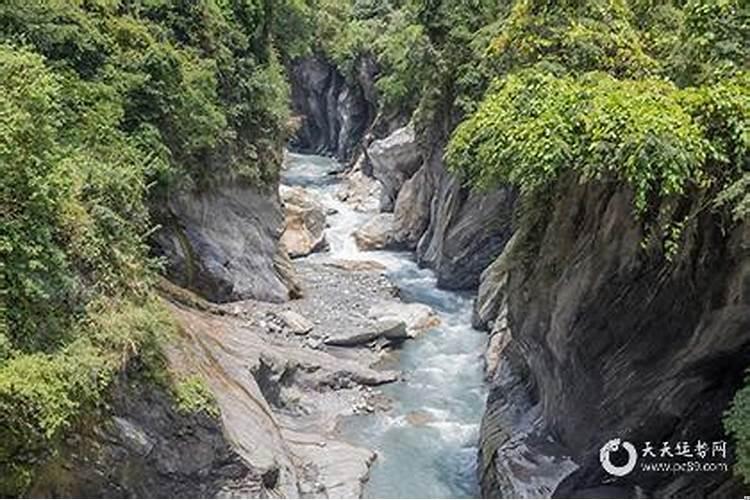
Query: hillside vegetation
[{"x": 106, "y": 106}]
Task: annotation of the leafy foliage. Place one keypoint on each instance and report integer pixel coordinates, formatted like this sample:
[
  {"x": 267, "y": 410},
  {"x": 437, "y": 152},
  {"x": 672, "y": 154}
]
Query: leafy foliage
[
  {"x": 737, "y": 424},
  {"x": 193, "y": 396},
  {"x": 535, "y": 126}
]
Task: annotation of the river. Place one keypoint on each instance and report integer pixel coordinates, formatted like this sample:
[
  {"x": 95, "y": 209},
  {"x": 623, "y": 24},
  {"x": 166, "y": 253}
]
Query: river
[{"x": 427, "y": 442}]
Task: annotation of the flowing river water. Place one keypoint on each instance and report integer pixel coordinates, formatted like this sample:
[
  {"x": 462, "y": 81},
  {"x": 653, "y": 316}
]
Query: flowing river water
[{"x": 427, "y": 442}]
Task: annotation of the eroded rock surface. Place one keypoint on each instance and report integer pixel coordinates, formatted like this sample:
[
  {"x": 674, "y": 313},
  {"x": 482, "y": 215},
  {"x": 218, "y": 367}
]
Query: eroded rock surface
[
  {"x": 377, "y": 233},
  {"x": 334, "y": 113},
  {"x": 394, "y": 159},
  {"x": 223, "y": 242},
  {"x": 589, "y": 327}
]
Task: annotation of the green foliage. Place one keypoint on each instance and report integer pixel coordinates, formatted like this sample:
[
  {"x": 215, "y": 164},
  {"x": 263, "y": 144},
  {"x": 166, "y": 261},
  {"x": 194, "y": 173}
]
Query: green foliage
[
  {"x": 73, "y": 206},
  {"x": 535, "y": 126},
  {"x": 737, "y": 425},
  {"x": 199, "y": 81},
  {"x": 193, "y": 396}
]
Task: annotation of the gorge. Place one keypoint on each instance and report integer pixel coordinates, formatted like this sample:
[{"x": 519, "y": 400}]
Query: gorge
[{"x": 393, "y": 249}]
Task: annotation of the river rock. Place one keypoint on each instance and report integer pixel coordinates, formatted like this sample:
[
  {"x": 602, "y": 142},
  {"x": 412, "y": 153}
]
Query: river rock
[
  {"x": 352, "y": 338},
  {"x": 359, "y": 190},
  {"x": 304, "y": 230},
  {"x": 357, "y": 265},
  {"x": 223, "y": 242},
  {"x": 376, "y": 234},
  {"x": 296, "y": 323},
  {"x": 389, "y": 329},
  {"x": 418, "y": 318},
  {"x": 411, "y": 214},
  {"x": 394, "y": 159}
]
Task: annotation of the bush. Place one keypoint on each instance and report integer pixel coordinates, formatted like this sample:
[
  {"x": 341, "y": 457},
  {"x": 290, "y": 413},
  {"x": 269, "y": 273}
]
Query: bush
[
  {"x": 535, "y": 126},
  {"x": 737, "y": 425}
]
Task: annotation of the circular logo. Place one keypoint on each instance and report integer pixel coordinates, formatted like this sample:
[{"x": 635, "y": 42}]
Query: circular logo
[{"x": 614, "y": 446}]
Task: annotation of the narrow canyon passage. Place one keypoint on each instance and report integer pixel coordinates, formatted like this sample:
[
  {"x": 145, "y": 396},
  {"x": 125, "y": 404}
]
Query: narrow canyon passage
[{"x": 427, "y": 442}]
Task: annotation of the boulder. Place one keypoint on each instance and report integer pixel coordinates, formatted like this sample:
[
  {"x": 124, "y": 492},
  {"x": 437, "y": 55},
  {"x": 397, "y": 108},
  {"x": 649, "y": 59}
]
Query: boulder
[
  {"x": 352, "y": 338},
  {"x": 359, "y": 190},
  {"x": 223, "y": 242},
  {"x": 304, "y": 230},
  {"x": 394, "y": 159},
  {"x": 389, "y": 329},
  {"x": 412, "y": 209},
  {"x": 357, "y": 265},
  {"x": 392, "y": 329},
  {"x": 296, "y": 323},
  {"x": 418, "y": 318},
  {"x": 376, "y": 234}
]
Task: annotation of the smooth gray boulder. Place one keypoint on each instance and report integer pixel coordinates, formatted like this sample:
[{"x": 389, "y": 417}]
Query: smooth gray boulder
[
  {"x": 394, "y": 159},
  {"x": 376, "y": 234},
  {"x": 223, "y": 242},
  {"x": 417, "y": 317},
  {"x": 389, "y": 329},
  {"x": 359, "y": 190},
  {"x": 296, "y": 323}
]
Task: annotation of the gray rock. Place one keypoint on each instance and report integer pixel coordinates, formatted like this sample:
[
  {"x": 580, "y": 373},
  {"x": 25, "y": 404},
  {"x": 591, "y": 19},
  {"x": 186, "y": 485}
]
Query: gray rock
[
  {"x": 412, "y": 210},
  {"x": 296, "y": 323},
  {"x": 334, "y": 113},
  {"x": 392, "y": 329},
  {"x": 467, "y": 230},
  {"x": 352, "y": 338},
  {"x": 605, "y": 332},
  {"x": 394, "y": 159},
  {"x": 376, "y": 234},
  {"x": 359, "y": 190},
  {"x": 223, "y": 242},
  {"x": 418, "y": 318}
]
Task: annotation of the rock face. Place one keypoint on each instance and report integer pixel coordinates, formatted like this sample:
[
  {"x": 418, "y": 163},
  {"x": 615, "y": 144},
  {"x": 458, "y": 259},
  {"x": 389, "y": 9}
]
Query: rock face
[
  {"x": 335, "y": 113},
  {"x": 376, "y": 234},
  {"x": 467, "y": 229},
  {"x": 589, "y": 328},
  {"x": 148, "y": 449},
  {"x": 223, "y": 242},
  {"x": 394, "y": 159},
  {"x": 305, "y": 222}
]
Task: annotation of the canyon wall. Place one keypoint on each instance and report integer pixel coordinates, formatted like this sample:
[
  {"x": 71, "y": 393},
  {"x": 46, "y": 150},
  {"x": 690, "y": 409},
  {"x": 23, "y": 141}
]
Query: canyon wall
[
  {"x": 594, "y": 337},
  {"x": 334, "y": 113},
  {"x": 223, "y": 242}
]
